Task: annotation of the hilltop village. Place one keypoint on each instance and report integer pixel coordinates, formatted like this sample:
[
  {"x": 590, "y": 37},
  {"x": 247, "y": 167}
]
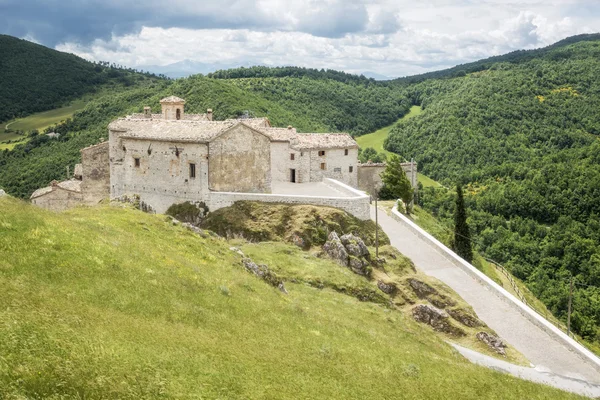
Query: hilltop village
[{"x": 173, "y": 157}]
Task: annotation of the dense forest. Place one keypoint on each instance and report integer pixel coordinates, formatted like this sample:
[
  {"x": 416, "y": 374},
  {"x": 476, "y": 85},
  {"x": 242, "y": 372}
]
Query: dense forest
[
  {"x": 35, "y": 78},
  {"x": 525, "y": 139}
]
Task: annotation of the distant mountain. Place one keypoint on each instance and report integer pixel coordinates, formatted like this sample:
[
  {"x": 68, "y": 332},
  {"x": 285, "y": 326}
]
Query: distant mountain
[
  {"x": 185, "y": 68},
  {"x": 376, "y": 76}
]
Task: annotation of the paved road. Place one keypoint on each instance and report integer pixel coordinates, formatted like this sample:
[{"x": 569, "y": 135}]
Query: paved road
[
  {"x": 545, "y": 353},
  {"x": 531, "y": 374}
]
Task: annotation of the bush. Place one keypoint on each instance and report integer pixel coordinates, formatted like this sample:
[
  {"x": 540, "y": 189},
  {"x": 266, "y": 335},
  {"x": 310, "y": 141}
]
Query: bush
[{"x": 192, "y": 213}]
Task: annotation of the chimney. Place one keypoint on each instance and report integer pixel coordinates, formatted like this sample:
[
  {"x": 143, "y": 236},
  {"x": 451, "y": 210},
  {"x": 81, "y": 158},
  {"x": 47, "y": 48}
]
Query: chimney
[
  {"x": 209, "y": 114},
  {"x": 289, "y": 127},
  {"x": 54, "y": 183},
  {"x": 147, "y": 112}
]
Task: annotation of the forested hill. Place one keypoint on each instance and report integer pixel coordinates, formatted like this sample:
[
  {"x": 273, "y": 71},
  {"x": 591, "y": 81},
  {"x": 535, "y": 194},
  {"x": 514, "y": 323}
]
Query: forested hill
[
  {"x": 310, "y": 105},
  {"x": 525, "y": 139},
  {"x": 515, "y": 57},
  {"x": 35, "y": 78}
]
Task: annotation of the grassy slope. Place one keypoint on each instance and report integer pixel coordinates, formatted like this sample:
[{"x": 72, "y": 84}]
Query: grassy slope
[
  {"x": 114, "y": 303},
  {"x": 376, "y": 139}
]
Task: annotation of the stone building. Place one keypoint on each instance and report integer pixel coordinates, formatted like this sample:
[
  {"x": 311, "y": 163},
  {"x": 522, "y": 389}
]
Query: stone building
[
  {"x": 173, "y": 157},
  {"x": 89, "y": 185},
  {"x": 369, "y": 175}
]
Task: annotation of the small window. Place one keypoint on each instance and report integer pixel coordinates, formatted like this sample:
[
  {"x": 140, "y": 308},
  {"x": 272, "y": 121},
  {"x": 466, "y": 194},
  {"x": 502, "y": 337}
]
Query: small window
[
  {"x": 292, "y": 156},
  {"x": 301, "y": 154},
  {"x": 321, "y": 153},
  {"x": 136, "y": 162},
  {"x": 178, "y": 114},
  {"x": 322, "y": 165},
  {"x": 337, "y": 169},
  {"x": 346, "y": 152},
  {"x": 350, "y": 169},
  {"x": 192, "y": 170}
]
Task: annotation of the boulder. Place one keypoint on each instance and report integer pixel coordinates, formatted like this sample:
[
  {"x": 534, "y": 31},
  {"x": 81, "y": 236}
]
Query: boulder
[
  {"x": 335, "y": 249},
  {"x": 358, "y": 266},
  {"x": 2, "y": 193},
  {"x": 493, "y": 342},
  {"x": 237, "y": 250},
  {"x": 355, "y": 245},
  {"x": 436, "y": 318}
]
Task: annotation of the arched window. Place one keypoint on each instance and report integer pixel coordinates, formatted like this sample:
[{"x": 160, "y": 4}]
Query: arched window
[{"x": 178, "y": 114}]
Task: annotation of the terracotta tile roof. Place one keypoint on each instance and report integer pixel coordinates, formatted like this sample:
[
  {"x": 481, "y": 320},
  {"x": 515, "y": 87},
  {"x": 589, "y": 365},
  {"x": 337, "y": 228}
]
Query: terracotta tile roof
[{"x": 313, "y": 141}]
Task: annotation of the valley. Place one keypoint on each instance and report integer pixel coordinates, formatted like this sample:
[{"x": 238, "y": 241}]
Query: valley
[{"x": 180, "y": 311}]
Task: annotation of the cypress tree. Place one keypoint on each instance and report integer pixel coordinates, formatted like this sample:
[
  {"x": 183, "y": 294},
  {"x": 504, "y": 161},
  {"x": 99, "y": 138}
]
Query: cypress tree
[{"x": 462, "y": 237}]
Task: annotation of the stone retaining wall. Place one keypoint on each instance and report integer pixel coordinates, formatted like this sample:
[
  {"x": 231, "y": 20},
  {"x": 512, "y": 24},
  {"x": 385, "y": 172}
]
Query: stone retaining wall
[{"x": 355, "y": 203}]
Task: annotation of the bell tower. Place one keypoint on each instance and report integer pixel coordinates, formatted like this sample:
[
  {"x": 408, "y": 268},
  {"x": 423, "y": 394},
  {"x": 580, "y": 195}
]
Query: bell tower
[{"x": 172, "y": 108}]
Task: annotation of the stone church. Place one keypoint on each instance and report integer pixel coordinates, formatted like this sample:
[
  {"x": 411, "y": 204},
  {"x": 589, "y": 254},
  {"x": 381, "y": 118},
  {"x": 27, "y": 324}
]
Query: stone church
[{"x": 174, "y": 157}]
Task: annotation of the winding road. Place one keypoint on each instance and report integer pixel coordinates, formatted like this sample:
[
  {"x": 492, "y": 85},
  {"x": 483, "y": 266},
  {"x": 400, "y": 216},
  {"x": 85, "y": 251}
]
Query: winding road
[{"x": 548, "y": 356}]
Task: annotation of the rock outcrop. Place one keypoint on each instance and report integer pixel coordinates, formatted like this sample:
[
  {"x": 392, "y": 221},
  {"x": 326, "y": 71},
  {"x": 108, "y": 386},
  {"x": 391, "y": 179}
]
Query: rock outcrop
[
  {"x": 493, "y": 342},
  {"x": 438, "y": 319},
  {"x": 263, "y": 272},
  {"x": 424, "y": 291},
  {"x": 465, "y": 317},
  {"x": 349, "y": 251},
  {"x": 387, "y": 287}
]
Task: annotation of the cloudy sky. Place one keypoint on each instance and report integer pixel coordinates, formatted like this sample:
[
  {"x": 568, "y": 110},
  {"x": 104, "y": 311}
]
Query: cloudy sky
[{"x": 389, "y": 37}]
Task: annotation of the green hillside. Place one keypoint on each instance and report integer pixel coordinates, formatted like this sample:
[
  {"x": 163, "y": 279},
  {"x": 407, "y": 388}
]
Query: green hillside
[
  {"x": 35, "y": 78},
  {"x": 524, "y": 138},
  {"x": 113, "y": 303}
]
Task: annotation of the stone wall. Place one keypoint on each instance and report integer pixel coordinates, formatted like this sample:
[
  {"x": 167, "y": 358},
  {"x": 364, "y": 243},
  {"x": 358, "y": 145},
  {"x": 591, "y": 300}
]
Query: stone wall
[
  {"x": 240, "y": 161},
  {"x": 337, "y": 165},
  {"x": 58, "y": 199},
  {"x": 357, "y": 205},
  {"x": 95, "y": 173},
  {"x": 163, "y": 175}
]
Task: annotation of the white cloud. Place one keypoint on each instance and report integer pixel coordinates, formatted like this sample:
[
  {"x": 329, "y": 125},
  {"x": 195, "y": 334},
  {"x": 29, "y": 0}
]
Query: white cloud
[{"x": 394, "y": 38}]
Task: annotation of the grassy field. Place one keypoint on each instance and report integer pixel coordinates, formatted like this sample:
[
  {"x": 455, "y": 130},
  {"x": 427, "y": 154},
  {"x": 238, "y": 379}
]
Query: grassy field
[
  {"x": 113, "y": 303},
  {"x": 375, "y": 140},
  {"x": 39, "y": 121}
]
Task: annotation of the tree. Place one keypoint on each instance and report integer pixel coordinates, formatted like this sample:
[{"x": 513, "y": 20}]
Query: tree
[
  {"x": 370, "y": 154},
  {"x": 395, "y": 183},
  {"x": 462, "y": 237}
]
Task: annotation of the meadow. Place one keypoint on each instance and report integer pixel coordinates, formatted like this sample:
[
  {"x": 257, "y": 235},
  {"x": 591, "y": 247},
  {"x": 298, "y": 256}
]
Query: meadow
[{"x": 113, "y": 303}]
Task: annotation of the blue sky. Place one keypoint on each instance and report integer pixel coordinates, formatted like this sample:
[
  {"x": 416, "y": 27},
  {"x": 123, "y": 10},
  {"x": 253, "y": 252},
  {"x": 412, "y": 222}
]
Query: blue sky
[{"x": 389, "y": 37}]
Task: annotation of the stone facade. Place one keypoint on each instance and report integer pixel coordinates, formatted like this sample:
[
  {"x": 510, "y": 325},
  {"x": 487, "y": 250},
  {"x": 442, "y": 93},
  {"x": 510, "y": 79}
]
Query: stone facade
[
  {"x": 95, "y": 173},
  {"x": 240, "y": 161}
]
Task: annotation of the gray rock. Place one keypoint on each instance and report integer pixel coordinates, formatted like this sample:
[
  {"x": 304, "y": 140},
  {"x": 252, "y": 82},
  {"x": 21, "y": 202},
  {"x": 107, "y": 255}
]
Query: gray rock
[
  {"x": 464, "y": 317},
  {"x": 355, "y": 245},
  {"x": 436, "y": 318},
  {"x": 493, "y": 342},
  {"x": 358, "y": 266},
  {"x": 336, "y": 250},
  {"x": 263, "y": 272},
  {"x": 387, "y": 288},
  {"x": 2, "y": 193}
]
